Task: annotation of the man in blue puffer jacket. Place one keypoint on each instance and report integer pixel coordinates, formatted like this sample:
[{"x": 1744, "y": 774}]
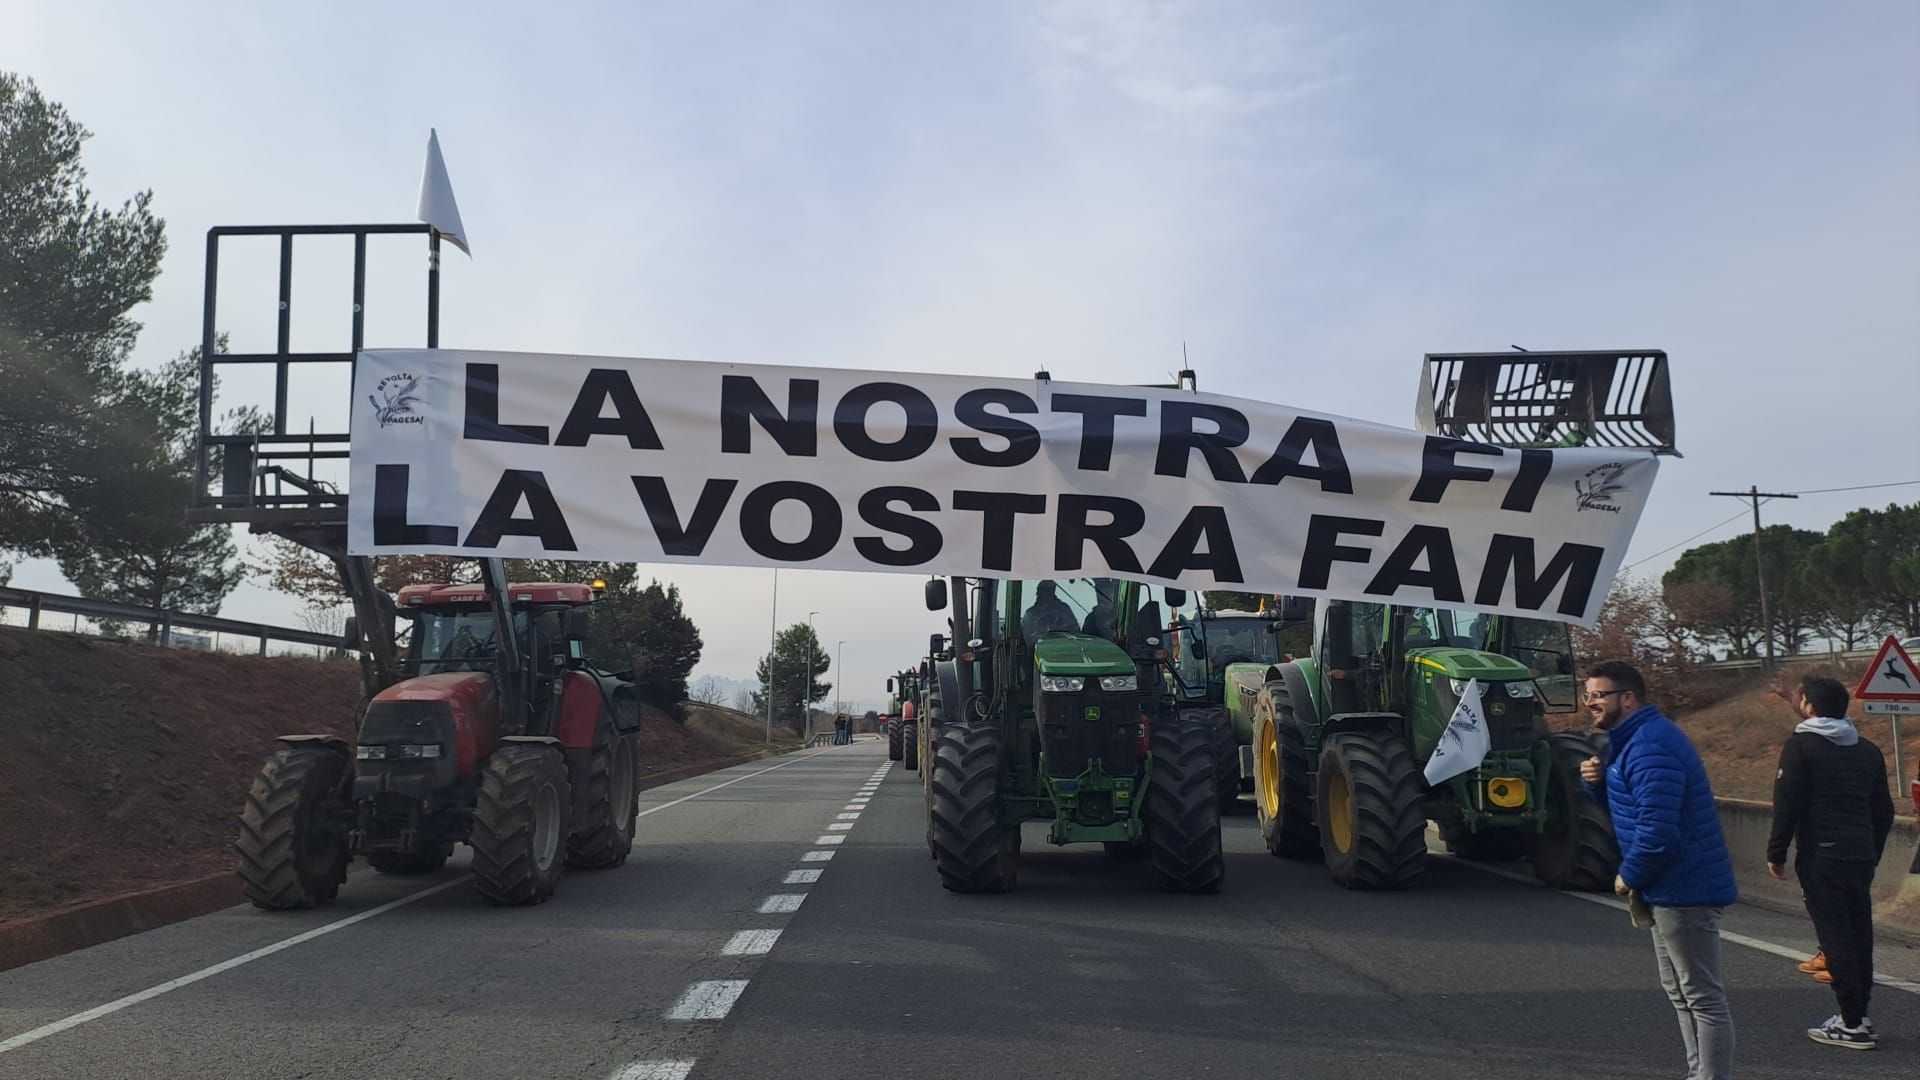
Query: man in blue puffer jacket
[{"x": 1672, "y": 854}]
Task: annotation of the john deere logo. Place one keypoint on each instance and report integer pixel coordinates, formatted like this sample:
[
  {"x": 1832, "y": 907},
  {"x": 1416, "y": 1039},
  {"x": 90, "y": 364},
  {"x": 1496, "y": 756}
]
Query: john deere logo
[{"x": 1091, "y": 712}]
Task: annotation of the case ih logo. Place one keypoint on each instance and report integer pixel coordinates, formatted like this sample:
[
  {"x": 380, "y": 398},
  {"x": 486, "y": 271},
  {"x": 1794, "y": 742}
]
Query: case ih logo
[
  {"x": 393, "y": 400},
  {"x": 1597, "y": 490}
]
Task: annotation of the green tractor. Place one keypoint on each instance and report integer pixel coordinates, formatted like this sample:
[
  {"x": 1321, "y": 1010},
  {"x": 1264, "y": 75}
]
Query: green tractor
[
  {"x": 1048, "y": 704},
  {"x": 1220, "y": 662},
  {"x": 1341, "y": 736}
]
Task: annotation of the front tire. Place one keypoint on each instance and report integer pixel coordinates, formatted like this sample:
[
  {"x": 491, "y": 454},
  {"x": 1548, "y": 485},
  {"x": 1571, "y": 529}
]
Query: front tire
[
  {"x": 971, "y": 850},
  {"x": 1183, "y": 807},
  {"x": 292, "y": 844},
  {"x": 1226, "y": 757},
  {"x": 1283, "y": 795},
  {"x": 1372, "y": 829},
  {"x": 520, "y": 824},
  {"x": 893, "y": 740},
  {"x": 910, "y": 745},
  {"x": 1577, "y": 851}
]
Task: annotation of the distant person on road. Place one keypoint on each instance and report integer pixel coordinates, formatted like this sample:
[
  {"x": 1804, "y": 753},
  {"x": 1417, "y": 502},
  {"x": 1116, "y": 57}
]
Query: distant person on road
[
  {"x": 1048, "y": 613},
  {"x": 1672, "y": 854},
  {"x": 1830, "y": 801}
]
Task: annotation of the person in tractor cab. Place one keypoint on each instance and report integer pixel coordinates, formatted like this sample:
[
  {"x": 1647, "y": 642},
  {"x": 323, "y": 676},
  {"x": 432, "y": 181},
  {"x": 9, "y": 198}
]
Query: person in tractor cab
[
  {"x": 1100, "y": 621},
  {"x": 1047, "y": 614}
]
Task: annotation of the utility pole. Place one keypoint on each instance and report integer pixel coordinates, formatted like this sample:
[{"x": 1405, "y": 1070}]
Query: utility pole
[
  {"x": 839, "y": 680},
  {"x": 806, "y": 689},
  {"x": 1754, "y": 495},
  {"x": 773, "y": 638}
]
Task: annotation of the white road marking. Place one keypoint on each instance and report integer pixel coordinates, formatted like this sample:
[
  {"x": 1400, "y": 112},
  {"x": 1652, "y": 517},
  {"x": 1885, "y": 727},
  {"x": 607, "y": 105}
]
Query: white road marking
[
  {"x": 751, "y": 942},
  {"x": 782, "y": 903},
  {"x": 801, "y": 877},
  {"x": 26, "y": 1038},
  {"x": 710, "y": 1000},
  {"x": 117, "y": 1004},
  {"x": 1620, "y": 905},
  {"x": 847, "y": 817},
  {"x": 654, "y": 1070},
  {"x": 840, "y": 826},
  {"x": 826, "y": 840},
  {"x": 817, "y": 856},
  {"x": 854, "y": 806}
]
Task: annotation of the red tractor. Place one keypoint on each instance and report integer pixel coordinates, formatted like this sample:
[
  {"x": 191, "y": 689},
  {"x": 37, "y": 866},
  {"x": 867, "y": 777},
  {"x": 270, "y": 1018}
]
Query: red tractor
[{"x": 511, "y": 728}]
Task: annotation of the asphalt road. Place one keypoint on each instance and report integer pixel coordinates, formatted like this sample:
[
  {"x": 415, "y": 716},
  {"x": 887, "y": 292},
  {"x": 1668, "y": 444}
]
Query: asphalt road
[{"x": 717, "y": 952}]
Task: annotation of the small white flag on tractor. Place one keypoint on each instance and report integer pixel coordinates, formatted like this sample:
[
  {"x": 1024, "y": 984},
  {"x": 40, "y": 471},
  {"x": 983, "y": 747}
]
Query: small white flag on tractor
[
  {"x": 437, "y": 207},
  {"x": 1465, "y": 743}
]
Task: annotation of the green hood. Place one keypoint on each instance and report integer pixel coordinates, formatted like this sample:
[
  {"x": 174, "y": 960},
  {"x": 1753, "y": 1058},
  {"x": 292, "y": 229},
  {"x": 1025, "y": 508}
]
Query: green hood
[
  {"x": 1080, "y": 654},
  {"x": 1470, "y": 664}
]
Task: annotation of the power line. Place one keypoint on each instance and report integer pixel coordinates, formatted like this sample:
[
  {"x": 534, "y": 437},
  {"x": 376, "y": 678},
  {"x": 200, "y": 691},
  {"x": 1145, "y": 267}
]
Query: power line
[
  {"x": 1688, "y": 540},
  {"x": 1859, "y": 487}
]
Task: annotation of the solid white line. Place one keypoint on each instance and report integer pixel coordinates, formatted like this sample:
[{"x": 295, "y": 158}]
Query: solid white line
[
  {"x": 751, "y": 943},
  {"x": 654, "y": 1070},
  {"x": 823, "y": 841},
  {"x": 817, "y": 856},
  {"x": 782, "y": 903},
  {"x": 840, "y": 826},
  {"x": 728, "y": 784},
  {"x": 847, "y": 817},
  {"x": 801, "y": 877},
  {"x": 116, "y": 1005},
  {"x": 707, "y": 1000},
  {"x": 1726, "y": 935}
]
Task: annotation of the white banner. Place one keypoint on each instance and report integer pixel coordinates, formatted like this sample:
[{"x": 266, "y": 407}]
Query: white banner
[
  {"x": 1465, "y": 743},
  {"x": 663, "y": 461}
]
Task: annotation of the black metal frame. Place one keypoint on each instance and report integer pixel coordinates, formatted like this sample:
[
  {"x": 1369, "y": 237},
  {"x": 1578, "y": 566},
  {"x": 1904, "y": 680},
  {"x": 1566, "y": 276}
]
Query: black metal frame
[
  {"x": 1616, "y": 398},
  {"x": 262, "y": 479}
]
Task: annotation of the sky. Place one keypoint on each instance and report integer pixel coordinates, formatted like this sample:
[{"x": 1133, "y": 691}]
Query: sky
[{"x": 1305, "y": 197}]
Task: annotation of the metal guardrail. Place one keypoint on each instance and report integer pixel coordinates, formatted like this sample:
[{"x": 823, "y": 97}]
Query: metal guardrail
[
  {"x": 1800, "y": 658},
  {"x": 166, "y": 622}
]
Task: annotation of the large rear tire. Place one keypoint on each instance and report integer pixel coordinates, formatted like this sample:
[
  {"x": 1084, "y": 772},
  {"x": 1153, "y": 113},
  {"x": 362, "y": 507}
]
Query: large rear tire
[
  {"x": 894, "y": 751},
  {"x": 971, "y": 850},
  {"x": 928, "y": 732},
  {"x": 1577, "y": 851},
  {"x": 1226, "y": 757},
  {"x": 520, "y": 824},
  {"x": 1183, "y": 806},
  {"x": 1372, "y": 829},
  {"x": 603, "y": 836},
  {"x": 910, "y": 745},
  {"x": 1283, "y": 796},
  {"x": 292, "y": 844}
]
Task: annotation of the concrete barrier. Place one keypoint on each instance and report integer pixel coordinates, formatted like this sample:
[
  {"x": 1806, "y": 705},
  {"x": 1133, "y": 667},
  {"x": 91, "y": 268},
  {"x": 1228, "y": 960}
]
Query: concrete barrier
[{"x": 1896, "y": 892}]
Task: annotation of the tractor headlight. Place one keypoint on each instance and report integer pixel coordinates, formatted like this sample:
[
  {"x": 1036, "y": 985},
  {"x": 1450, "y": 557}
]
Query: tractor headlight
[
  {"x": 1062, "y": 684},
  {"x": 1459, "y": 686},
  {"x": 1520, "y": 690},
  {"x": 1119, "y": 682},
  {"x": 390, "y": 753}
]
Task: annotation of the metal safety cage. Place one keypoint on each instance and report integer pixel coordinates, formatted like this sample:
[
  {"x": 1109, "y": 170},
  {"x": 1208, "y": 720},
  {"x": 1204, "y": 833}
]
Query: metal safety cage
[
  {"x": 267, "y": 479},
  {"x": 1618, "y": 398}
]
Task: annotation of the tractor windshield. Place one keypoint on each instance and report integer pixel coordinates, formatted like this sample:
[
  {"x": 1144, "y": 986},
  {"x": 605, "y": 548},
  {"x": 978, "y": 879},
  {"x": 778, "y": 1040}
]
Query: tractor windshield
[
  {"x": 1067, "y": 605},
  {"x": 453, "y": 639},
  {"x": 1428, "y": 628}
]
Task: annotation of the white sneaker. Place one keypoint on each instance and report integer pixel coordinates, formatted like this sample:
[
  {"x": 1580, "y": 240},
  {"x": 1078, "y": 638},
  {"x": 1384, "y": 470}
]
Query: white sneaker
[{"x": 1835, "y": 1032}]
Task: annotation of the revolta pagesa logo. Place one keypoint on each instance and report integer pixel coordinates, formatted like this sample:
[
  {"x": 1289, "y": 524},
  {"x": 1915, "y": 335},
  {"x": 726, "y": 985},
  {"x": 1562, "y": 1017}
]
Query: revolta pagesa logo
[
  {"x": 394, "y": 398},
  {"x": 1596, "y": 491}
]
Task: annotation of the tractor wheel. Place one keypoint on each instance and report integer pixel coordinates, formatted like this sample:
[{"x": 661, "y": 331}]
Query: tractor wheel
[
  {"x": 411, "y": 863},
  {"x": 520, "y": 824},
  {"x": 1372, "y": 829},
  {"x": 894, "y": 750},
  {"x": 1226, "y": 756},
  {"x": 1183, "y": 808},
  {"x": 971, "y": 849},
  {"x": 605, "y": 835},
  {"x": 910, "y": 745},
  {"x": 1282, "y": 796},
  {"x": 927, "y": 732},
  {"x": 1492, "y": 844},
  {"x": 293, "y": 842},
  {"x": 1577, "y": 851}
]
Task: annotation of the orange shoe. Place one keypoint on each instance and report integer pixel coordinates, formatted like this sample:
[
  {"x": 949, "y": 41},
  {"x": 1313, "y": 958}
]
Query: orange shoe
[
  {"x": 1823, "y": 976},
  {"x": 1816, "y": 963}
]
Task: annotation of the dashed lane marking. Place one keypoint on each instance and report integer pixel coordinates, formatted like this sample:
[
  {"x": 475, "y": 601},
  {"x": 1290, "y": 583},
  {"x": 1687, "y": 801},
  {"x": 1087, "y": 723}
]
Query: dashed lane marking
[
  {"x": 826, "y": 840},
  {"x": 782, "y": 903},
  {"x": 817, "y": 856},
  {"x": 654, "y": 1070},
  {"x": 710, "y": 1000},
  {"x": 751, "y": 943},
  {"x": 801, "y": 877}
]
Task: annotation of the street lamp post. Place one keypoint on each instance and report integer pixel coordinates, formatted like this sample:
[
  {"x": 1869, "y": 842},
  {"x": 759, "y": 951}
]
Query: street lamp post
[
  {"x": 806, "y": 688},
  {"x": 773, "y": 637},
  {"x": 839, "y": 683}
]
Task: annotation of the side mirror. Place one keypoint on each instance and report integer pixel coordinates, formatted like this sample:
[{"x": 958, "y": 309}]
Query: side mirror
[
  {"x": 1198, "y": 647},
  {"x": 1176, "y": 598},
  {"x": 350, "y": 637},
  {"x": 1564, "y": 665},
  {"x": 1296, "y": 609},
  {"x": 889, "y": 686},
  {"x": 937, "y": 594},
  {"x": 936, "y": 643},
  {"x": 579, "y": 623}
]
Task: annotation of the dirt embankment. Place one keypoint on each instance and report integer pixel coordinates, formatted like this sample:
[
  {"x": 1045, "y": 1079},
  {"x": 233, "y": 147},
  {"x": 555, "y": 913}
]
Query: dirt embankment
[{"x": 122, "y": 766}]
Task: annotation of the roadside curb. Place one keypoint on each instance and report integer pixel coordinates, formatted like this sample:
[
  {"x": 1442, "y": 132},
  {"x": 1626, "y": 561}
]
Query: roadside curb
[{"x": 100, "y": 921}]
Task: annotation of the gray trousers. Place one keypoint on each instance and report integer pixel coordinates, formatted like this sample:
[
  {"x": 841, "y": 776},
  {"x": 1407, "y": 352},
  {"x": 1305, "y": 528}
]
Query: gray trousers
[{"x": 1686, "y": 943}]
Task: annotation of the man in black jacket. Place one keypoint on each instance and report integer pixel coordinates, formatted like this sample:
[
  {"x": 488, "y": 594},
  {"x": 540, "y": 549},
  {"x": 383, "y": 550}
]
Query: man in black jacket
[{"x": 1830, "y": 800}]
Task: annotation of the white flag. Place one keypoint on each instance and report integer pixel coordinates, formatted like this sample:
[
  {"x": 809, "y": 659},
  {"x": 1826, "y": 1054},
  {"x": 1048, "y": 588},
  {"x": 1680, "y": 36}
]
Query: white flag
[
  {"x": 437, "y": 207},
  {"x": 1465, "y": 743}
]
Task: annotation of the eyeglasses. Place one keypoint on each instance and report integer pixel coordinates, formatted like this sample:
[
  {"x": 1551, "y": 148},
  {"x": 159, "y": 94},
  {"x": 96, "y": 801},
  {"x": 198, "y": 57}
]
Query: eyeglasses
[{"x": 1601, "y": 695}]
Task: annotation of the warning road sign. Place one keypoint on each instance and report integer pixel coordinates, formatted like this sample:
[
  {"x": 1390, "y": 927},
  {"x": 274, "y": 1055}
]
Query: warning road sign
[{"x": 1891, "y": 677}]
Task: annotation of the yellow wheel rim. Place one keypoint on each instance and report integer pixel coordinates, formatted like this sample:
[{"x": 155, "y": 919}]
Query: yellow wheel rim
[
  {"x": 1269, "y": 774},
  {"x": 1340, "y": 814}
]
